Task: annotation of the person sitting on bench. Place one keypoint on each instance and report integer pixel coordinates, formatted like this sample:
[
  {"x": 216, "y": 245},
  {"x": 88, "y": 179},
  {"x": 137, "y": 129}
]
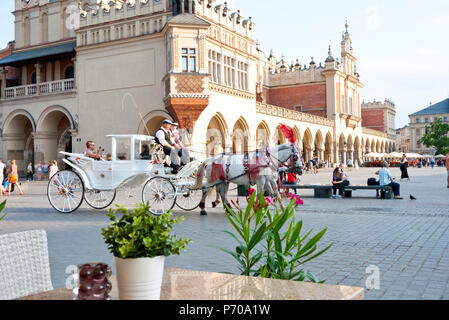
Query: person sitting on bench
[
  {"x": 340, "y": 181},
  {"x": 386, "y": 179}
]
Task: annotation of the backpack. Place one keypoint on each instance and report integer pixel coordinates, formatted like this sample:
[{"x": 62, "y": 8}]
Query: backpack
[{"x": 372, "y": 182}]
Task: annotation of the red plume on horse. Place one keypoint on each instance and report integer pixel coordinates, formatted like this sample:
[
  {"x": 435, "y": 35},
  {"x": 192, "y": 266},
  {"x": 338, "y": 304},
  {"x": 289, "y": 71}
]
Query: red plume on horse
[{"x": 288, "y": 133}]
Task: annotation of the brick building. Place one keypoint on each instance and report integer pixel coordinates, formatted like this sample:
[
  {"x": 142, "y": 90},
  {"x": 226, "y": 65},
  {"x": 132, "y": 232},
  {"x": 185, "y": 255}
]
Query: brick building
[{"x": 380, "y": 116}]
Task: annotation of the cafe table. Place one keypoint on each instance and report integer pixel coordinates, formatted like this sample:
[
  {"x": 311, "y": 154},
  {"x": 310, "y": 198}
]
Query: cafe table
[{"x": 182, "y": 284}]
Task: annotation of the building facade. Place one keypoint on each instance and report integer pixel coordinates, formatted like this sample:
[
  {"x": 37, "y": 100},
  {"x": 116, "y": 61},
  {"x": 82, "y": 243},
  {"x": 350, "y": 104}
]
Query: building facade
[
  {"x": 403, "y": 139},
  {"x": 84, "y": 71},
  {"x": 380, "y": 116},
  {"x": 419, "y": 120}
]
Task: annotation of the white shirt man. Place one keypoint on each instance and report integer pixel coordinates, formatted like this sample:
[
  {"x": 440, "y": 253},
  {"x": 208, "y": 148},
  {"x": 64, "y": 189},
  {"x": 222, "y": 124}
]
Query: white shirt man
[
  {"x": 165, "y": 138},
  {"x": 2, "y": 167}
]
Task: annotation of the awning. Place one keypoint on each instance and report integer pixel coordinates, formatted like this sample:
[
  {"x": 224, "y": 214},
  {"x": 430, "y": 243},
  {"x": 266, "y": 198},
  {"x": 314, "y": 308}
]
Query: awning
[{"x": 38, "y": 53}]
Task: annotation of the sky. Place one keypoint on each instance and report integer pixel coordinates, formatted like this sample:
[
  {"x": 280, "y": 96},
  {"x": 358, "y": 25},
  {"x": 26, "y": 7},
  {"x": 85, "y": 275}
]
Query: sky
[{"x": 402, "y": 46}]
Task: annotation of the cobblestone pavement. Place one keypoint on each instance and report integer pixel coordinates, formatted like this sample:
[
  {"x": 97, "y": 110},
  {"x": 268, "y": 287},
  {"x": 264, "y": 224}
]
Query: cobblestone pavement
[{"x": 407, "y": 240}]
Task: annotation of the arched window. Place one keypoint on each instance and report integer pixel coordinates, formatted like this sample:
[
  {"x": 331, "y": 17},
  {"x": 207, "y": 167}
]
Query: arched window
[
  {"x": 69, "y": 73},
  {"x": 176, "y": 7},
  {"x": 33, "y": 78},
  {"x": 44, "y": 27},
  {"x": 26, "y": 31}
]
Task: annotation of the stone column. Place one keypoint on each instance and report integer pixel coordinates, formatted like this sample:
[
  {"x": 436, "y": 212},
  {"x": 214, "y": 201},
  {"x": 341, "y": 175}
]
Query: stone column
[
  {"x": 38, "y": 77},
  {"x": 202, "y": 63},
  {"x": 182, "y": 6},
  {"x": 321, "y": 154},
  {"x": 343, "y": 156},
  {"x": 45, "y": 146},
  {"x": 4, "y": 72}
]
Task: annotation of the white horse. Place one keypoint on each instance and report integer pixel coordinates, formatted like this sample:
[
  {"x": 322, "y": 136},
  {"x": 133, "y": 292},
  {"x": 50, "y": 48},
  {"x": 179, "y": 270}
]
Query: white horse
[{"x": 259, "y": 168}]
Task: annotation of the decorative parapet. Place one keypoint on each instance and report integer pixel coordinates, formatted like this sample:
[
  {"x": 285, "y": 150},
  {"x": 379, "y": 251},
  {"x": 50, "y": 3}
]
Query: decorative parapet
[
  {"x": 231, "y": 91},
  {"x": 221, "y": 14},
  {"x": 373, "y": 132},
  {"x": 292, "y": 114},
  {"x": 112, "y": 10}
]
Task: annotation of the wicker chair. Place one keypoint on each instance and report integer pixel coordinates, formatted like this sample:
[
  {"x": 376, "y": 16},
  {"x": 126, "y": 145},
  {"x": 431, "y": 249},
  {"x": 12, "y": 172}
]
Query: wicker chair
[{"x": 24, "y": 264}]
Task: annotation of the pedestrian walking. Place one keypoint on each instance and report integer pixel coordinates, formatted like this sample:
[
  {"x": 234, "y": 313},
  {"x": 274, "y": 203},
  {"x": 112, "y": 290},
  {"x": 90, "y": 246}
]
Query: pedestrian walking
[
  {"x": 39, "y": 170},
  {"x": 447, "y": 168},
  {"x": 53, "y": 169},
  {"x": 30, "y": 171},
  {"x": 403, "y": 165},
  {"x": 14, "y": 178},
  {"x": 2, "y": 168}
]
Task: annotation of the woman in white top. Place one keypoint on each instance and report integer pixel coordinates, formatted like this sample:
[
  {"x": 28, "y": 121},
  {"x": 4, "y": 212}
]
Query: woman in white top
[{"x": 53, "y": 169}]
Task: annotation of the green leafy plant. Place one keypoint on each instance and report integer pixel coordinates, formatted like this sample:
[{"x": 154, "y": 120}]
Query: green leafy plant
[
  {"x": 264, "y": 249},
  {"x": 139, "y": 234},
  {"x": 436, "y": 137},
  {"x": 2, "y": 207}
]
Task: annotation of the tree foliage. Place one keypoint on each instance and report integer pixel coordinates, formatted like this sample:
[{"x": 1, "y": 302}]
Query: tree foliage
[{"x": 436, "y": 136}]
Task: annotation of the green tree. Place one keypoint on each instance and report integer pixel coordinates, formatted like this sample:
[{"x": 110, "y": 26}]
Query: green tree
[{"x": 436, "y": 137}]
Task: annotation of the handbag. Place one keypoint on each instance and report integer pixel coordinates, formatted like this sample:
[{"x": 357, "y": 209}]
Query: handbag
[{"x": 372, "y": 182}]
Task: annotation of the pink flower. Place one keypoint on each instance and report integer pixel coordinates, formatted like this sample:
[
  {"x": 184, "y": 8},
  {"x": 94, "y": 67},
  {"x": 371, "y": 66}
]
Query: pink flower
[
  {"x": 268, "y": 200},
  {"x": 298, "y": 200},
  {"x": 251, "y": 191}
]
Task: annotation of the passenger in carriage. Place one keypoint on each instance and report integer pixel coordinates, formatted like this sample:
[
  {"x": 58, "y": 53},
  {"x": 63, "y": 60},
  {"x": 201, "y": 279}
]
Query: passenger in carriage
[
  {"x": 90, "y": 151},
  {"x": 184, "y": 153},
  {"x": 165, "y": 138},
  {"x": 145, "y": 155}
]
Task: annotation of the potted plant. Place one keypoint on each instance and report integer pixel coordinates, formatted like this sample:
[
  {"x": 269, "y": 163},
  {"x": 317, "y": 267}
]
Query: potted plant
[{"x": 140, "y": 242}]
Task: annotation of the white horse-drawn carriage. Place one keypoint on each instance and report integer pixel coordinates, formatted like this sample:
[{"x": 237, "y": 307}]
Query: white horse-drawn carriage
[{"x": 97, "y": 182}]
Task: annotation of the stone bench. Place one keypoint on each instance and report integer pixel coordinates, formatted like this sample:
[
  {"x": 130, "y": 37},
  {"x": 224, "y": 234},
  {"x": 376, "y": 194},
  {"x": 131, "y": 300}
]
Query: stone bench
[
  {"x": 386, "y": 192},
  {"x": 325, "y": 191}
]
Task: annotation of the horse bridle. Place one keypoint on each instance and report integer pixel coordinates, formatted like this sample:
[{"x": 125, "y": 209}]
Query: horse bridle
[{"x": 294, "y": 156}]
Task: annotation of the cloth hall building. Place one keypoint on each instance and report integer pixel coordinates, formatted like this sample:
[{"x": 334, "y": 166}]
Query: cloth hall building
[{"x": 79, "y": 70}]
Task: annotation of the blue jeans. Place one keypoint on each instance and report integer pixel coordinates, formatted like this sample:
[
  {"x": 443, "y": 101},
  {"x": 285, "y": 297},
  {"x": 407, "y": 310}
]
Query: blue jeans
[{"x": 396, "y": 188}]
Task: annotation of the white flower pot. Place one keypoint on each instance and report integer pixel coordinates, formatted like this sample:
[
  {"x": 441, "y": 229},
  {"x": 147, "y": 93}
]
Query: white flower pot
[{"x": 139, "y": 279}]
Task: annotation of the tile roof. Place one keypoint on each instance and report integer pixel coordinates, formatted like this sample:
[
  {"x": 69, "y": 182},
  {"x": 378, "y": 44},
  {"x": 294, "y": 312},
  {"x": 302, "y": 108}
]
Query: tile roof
[
  {"x": 38, "y": 53},
  {"x": 437, "y": 108},
  {"x": 188, "y": 18}
]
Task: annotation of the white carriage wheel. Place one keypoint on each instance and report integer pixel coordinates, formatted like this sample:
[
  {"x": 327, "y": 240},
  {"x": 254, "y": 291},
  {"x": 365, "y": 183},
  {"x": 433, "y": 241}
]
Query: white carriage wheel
[
  {"x": 188, "y": 199},
  {"x": 160, "y": 194},
  {"x": 65, "y": 191},
  {"x": 99, "y": 199}
]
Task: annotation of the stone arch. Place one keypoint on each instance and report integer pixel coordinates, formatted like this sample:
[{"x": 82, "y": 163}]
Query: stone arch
[
  {"x": 69, "y": 72},
  {"x": 240, "y": 136},
  {"x": 367, "y": 145},
  {"x": 342, "y": 148},
  {"x": 216, "y": 135},
  {"x": 153, "y": 121},
  {"x": 357, "y": 149},
  {"x": 278, "y": 137},
  {"x": 54, "y": 134},
  {"x": 18, "y": 135},
  {"x": 308, "y": 145},
  {"x": 262, "y": 134},
  {"x": 328, "y": 146},
  {"x": 297, "y": 135},
  {"x": 319, "y": 146},
  {"x": 378, "y": 146}
]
